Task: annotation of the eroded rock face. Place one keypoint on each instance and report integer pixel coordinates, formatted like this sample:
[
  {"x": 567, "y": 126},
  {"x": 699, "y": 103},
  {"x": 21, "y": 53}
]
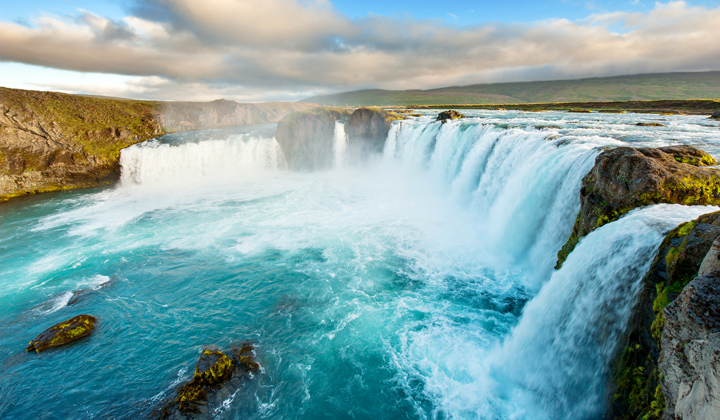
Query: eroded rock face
[
  {"x": 63, "y": 333},
  {"x": 367, "y": 129},
  {"x": 690, "y": 360},
  {"x": 636, "y": 390},
  {"x": 307, "y": 138},
  {"x": 626, "y": 178},
  {"x": 449, "y": 115}
]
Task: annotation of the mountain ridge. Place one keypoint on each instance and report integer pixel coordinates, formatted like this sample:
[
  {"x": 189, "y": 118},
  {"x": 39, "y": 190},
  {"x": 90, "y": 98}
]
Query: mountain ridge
[{"x": 638, "y": 87}]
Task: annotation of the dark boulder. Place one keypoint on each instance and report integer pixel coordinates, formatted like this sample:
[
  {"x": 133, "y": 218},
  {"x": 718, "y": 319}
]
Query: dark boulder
[
  {"x": 367, "y": 129},
  {"x": 716, "y": 115},
  {"x": 626, "y": 178},
  {"x": 307, "y": 138},
  {"x": 642, "y": 124},
  {"x": 449, "y": 115},
  {"x": 64, "y": 333}
]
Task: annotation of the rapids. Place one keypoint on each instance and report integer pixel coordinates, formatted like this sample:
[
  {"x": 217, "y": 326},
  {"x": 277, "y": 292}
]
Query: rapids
[{"x": 417, "y": 285}]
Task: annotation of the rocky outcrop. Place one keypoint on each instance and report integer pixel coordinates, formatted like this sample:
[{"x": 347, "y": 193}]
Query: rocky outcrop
[
  {"x": 449, "y": 115},
  {"x": 626, "y": 178},
  {"x": 307, "y": 138},
  {"x": 690, "y": 357},
  {"x": 716, "y": 115},
  {"x": 367, "y": 129},
  {"x": 636, "y": 388},
  {"x": 213, "y": 371},
  {"x": 53, "y": 141},
  {"x": 63, "y": 333}
]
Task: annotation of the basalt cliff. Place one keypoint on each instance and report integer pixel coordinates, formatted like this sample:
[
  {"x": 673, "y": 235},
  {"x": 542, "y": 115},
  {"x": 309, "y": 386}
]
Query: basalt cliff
[{"x": 52, "y": 141}]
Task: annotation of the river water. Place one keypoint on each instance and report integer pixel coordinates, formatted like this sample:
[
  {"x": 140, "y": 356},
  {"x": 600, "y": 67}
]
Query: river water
[{"x": 416, "y": 285}]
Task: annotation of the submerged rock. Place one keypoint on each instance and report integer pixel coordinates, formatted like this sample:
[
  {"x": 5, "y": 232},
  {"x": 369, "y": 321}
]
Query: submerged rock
[
  {"x": 626, "y": 178},
  {"x": 690, "y": 355},
  {"x": 213, "y": 371},
  {"x": 307, "y": 138},
  {"x": 636, "y": 389},
  {"x": 449, "y": 115},
  {"x": 367, "y": 129},
  {"x": 64, "y": 333},
  {"x": 642, "y": 124}
]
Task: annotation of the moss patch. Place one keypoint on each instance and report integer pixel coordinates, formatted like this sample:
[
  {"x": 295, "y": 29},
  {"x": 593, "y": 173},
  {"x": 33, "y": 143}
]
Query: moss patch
[{"x": 63, "y": 333}]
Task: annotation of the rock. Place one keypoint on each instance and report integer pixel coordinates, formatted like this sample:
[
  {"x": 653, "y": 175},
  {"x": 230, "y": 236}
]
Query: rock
[
  {"x": 63, "y": 333},
  {"x": 626, "y": 178},
  {"x": 307, "y": 138},
  {"x": 367, "y": 129},
  {"x": 213, "y": 371},
  {"x": 581, "y": 111},
  {"x": 642, "y": 124},
  {"x": 636, "y": 390},
  {"x": 690, "y": 357},
  {"x": 449, "y": 115},
  {"x": 53, "y": 141},
  {"x": 716, "y": 114},
  {"x": 711, "y": 262}
]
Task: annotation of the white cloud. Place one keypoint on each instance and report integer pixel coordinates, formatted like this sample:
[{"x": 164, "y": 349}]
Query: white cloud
[{"x": 292, "y": 48}]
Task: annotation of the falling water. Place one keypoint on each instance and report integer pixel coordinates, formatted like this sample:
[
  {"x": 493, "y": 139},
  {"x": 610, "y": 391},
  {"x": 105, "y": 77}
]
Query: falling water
[{"x": 419, "y": 285}]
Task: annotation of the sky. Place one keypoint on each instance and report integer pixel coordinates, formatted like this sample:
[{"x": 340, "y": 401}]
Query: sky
[{"x": 286, "y": 50}]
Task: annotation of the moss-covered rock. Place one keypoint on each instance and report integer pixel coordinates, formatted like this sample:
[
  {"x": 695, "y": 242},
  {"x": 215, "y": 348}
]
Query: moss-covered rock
[
  {"x": 213, "y": 371},
  {"x": 626, "y": 178},
  {"x": 449, "y": 115},
  {"x": 63, "y": 333},
  {"x": 636, "y": 391},
  {"x": 716, "y": 115},
  {"x": 643, "y": 124},
  {"x": 307, "y": 138}
]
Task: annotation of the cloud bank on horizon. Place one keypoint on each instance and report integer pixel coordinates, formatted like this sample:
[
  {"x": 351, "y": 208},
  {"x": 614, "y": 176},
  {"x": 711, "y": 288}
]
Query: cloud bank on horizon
[{"x": 290, "y": 49}]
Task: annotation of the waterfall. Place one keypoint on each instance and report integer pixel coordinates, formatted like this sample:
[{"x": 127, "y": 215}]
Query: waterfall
[
  {"x": 340, "y": 144},
  {"x": 234, "y": 157},
  {"x": 523, "y": 184},
  {"x": 560, "y": 352}
]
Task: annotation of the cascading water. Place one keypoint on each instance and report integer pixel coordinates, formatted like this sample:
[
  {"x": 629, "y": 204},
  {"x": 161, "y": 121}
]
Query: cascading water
[
  {"x": 417, "y": 286},
  {"x": 340, "y": 144}
]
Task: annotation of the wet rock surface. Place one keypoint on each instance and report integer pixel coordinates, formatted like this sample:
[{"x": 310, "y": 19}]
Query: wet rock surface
[
  {"x": 626, "y": 178},
  {"x": 690, "y": 357},
  {"x": 63, "y": 333},
  {"x": 307, "y": 138},
  {"x": 449, "y": 115},
  {"x": 216, "y": 377},
  {"x": 636, "y": 390},
  {"x": 367, "y": 129}
]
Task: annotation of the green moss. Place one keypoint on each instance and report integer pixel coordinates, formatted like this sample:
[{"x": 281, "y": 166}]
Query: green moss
[
  {"x": 705, "y": 160},
  {"x": 63, "y": 333}
]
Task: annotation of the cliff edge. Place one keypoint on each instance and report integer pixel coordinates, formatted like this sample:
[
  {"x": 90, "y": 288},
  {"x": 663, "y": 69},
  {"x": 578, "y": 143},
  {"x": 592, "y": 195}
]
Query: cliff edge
[{"x": 52, "y": 141}]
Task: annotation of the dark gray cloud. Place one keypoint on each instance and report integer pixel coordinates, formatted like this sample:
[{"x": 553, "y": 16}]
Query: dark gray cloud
[{"x": 293, "y": 48}]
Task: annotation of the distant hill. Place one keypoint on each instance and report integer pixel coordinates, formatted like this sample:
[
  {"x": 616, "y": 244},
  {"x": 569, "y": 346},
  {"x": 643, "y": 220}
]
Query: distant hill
[{"x": 641, "y": 87}]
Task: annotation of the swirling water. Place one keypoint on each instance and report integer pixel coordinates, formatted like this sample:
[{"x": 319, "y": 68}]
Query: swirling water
[{"x": 417, "y": 285}]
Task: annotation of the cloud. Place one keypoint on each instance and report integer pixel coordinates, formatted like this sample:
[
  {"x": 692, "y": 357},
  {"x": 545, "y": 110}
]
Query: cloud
[{"x": 179, "y": 49}]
